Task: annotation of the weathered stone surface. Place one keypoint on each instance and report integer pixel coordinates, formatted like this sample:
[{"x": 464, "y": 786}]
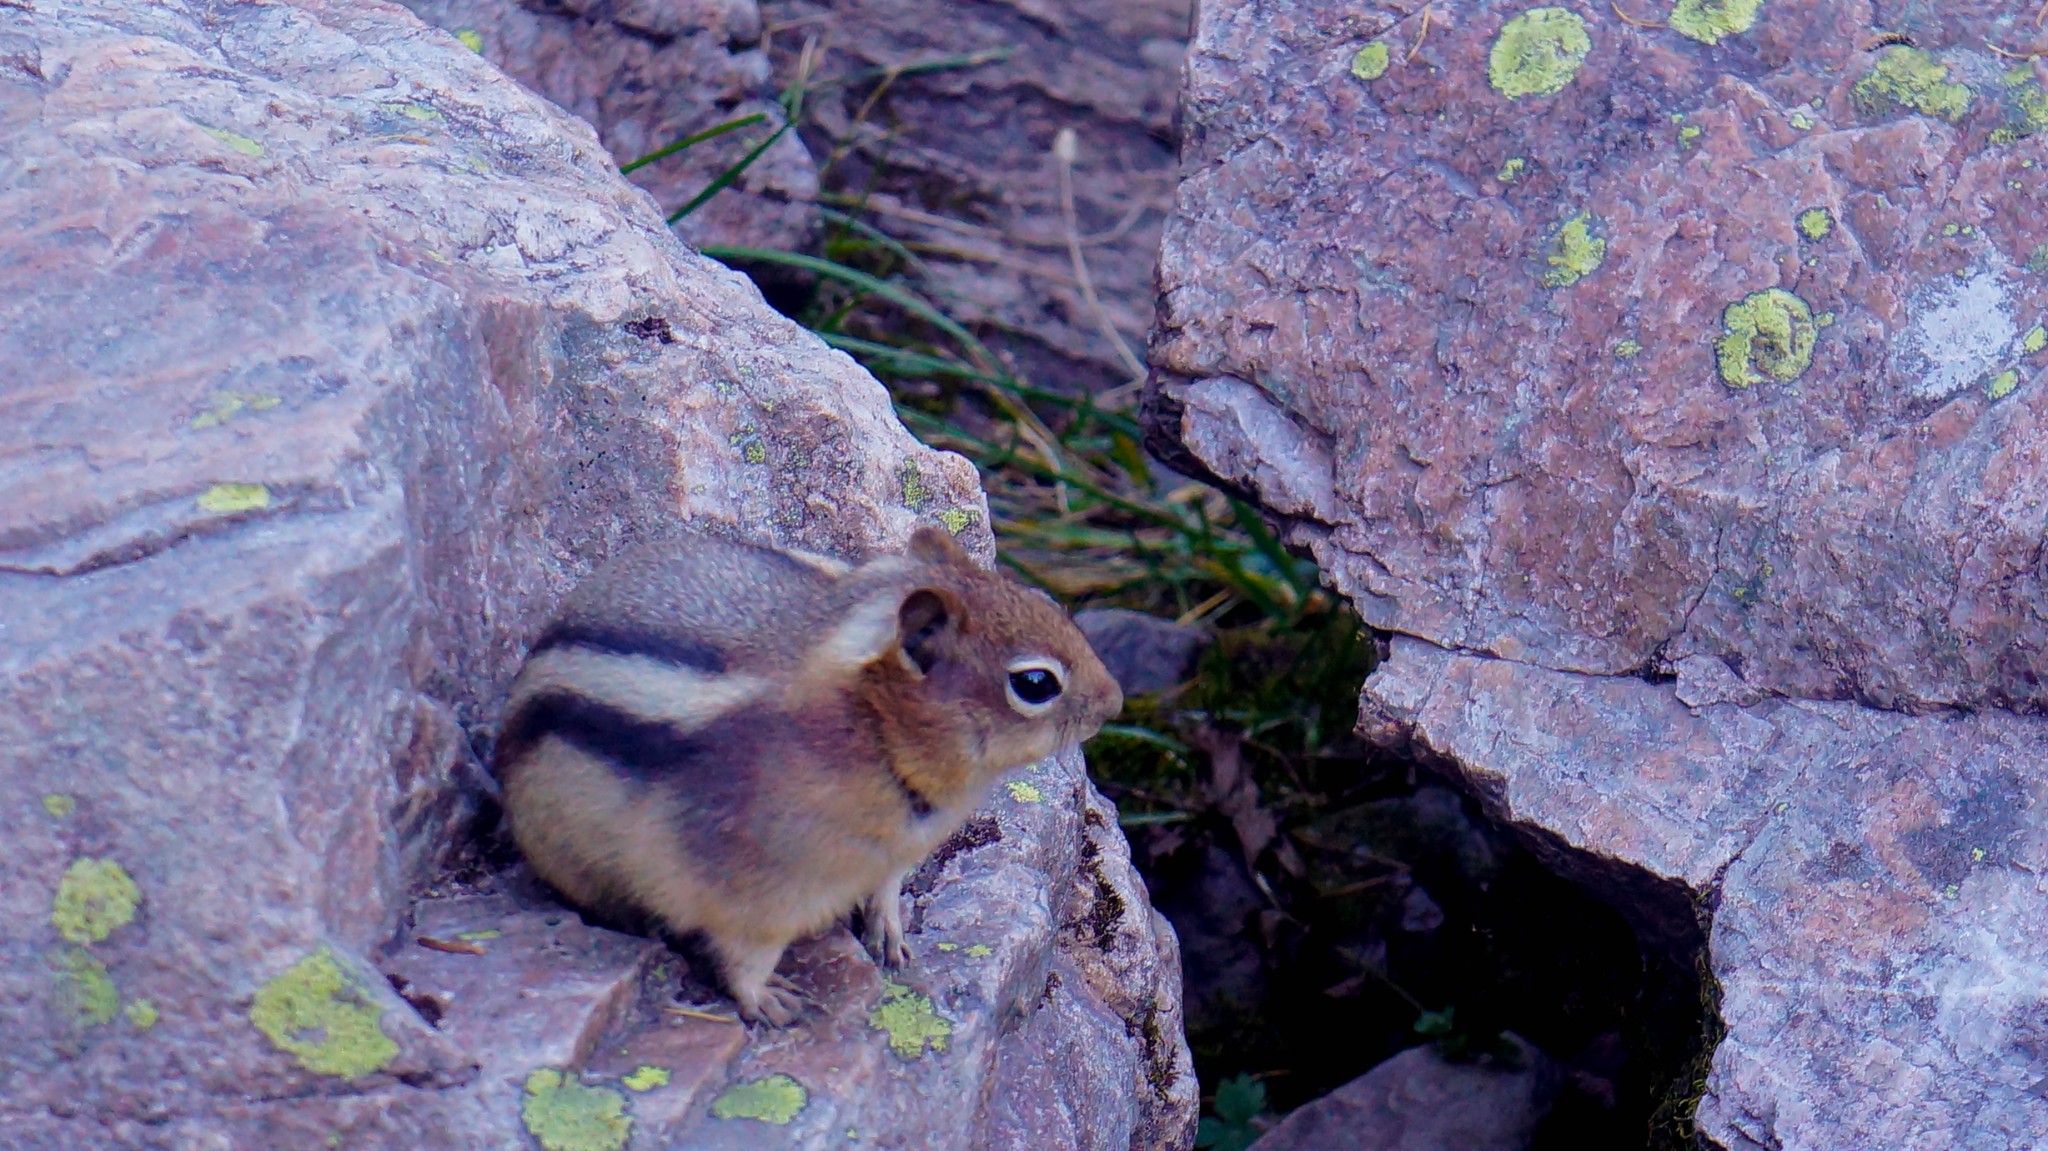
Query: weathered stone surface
[
  {"x": 334, "y": 357},
  {"x": 1144, "y": 652},
  {"x": 646, "y": 74},
  {"x": 1676, "y": 387},
  {"x": 959, "y": 162},
  {"x": 1417, "y": 1102}
]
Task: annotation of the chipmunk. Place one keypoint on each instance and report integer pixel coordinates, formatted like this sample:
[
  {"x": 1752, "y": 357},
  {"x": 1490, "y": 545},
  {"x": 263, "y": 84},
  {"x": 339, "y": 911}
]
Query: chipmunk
[{"x": 744, "y": 742}]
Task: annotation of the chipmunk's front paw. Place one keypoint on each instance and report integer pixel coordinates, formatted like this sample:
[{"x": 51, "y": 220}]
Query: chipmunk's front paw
[
  {"x": 776, "y": 1004},
  {"x": 882, "y": 925}
]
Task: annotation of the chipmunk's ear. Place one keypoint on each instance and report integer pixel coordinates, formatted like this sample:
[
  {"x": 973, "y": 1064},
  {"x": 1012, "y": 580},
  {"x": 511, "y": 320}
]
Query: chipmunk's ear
[
  {"x": 936, "y": 546},
  {"x": 923, "y": 620},
  {"x": 897, "y": 623}
]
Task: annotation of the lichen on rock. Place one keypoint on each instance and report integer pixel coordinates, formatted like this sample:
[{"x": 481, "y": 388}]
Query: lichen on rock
[
  {"x": 566, "y": 1114},
  {"x": 1576, "y": 251},
  {"x": 1538, "y": 53},
  {"x": 95, "y": 897},
  {"x": 1370, "y": 62},
  {"x": 1709, "y": 21},
  {"x": 86, "y": 990},
  {"x": 320, "y": 1015},
  {"x": 1912, "y": 79},
  {"x": 774, "y": 1099},
  {"x": 911, "y": 1022},
  {"x": 1765, "y": 334}
]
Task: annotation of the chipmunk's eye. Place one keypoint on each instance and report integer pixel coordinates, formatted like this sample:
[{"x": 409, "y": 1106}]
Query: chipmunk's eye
[{"x": 1034, "y": 685}]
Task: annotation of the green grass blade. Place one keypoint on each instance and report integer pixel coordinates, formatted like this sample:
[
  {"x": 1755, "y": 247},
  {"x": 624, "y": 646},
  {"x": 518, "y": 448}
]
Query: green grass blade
[
  {"x": 692, "y": 141},
  {"x": 723, "y": 179}
]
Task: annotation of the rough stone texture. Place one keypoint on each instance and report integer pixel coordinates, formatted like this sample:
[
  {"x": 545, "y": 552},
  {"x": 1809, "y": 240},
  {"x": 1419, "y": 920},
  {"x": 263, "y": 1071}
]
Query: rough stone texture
[
  {"x": 1144, "y": 652},
  {"x": 334, "y": 357},
  {"x": 959, "y": 162},
  {"x": 1417, "y": 1102},
  {"x": 645, "y": 74},
  {"x": 1722, "y": 617}
]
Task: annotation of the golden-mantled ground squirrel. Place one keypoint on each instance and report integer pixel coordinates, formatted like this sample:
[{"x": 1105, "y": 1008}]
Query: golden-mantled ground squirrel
[{"x": 746, "y": 743}]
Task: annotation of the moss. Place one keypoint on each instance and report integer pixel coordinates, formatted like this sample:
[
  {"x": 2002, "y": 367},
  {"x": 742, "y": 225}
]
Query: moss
[
  {"x": 2035, "y": 340},
  {"x": 776, "y": 1099},
  {"x": 1912, "y": 79},
  {"x": 1708, "y": 21},
  {"x": 1627, "y": 350},
  {"x": 911, "y": 1022},
  {"x": 317, "y": 1013},
  {"x": 565, "y": 1114},
  {"x": 1024, "y": 793},
  {"x": 93, "y": 899},
  {"x": 1370, "y": 63},
  {"x": 59, "y": 806},
  {"x": 471, "y": 39},
  {"x": 646, "y": 1078},
  {"x": 1575, "y": 252},
  {"x": 223, "y": 499},
  {"x": 141, "y": 1014},
  {"x": 1511, "y": 170},
  {"x": 237, "y": 141},
  {"x": 1816, "y": 223},
  {"x": 87, "y": 992},
  {"x": 1538, "y": 53},
  {"x": 2002, "y": 384},
  {"x": 1766, "y": 334}
]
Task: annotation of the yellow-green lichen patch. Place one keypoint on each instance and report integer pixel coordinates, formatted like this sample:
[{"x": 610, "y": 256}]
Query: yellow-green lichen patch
[
  {"x": 1767, "y": 334},
  {"x": 141, "y": 1014},
  {"x": 980, "y": 951},
  {"x": 646, "y": 1078},
  {"x": 1370, "y": 62},
  {"x": 957, "y": 520},
  {"x": 59, "y": 805},
  {"x": 1538, "y": 53},
  {"x": 1511, "y": 170},
  {"x": 420, "y": 112},
  {"x": 1816, "y": 223},
  {"x": 1912, "y": 79},
  {"x": 2034, "y": 340},
  {"x": 566, "y": 1114},
  {"x": 227, "y": 405},
  {"x": 912, "y": 1023},
  {"x": 1688, "y": 134},
  {"x": 911, "y": 479},
  {"x": 2027, "y": 101},
  {"x": 86, "y": 991},
  {"x": 2002, "y": 384},
  {"x": 471, "y": 39},
  {"x": 1627, "y": 349},
  {"x": 225, "y": 499},
  {"x": 317, "y": 1013},
  {"x": 776, "y": 1099},
  {"x": 1709, "y": 20},
  {"x": 1024, "y": 792},
  {"x": 949, "y": 947},
  {"x": 1800, "y": 120},
  {"x": 475, "y": 936},
  {"x": 94, "y": 897},
  {"x": 237, "y": 141},
  {"x": 1576, "y": 250},
  {"x": 756, "y": 452}
]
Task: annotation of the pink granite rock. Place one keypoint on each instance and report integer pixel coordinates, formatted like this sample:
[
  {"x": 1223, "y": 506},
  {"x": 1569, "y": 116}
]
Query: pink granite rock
[
  {"x": 333, "y": 357},
  {"x": 1671, "y": 373}
]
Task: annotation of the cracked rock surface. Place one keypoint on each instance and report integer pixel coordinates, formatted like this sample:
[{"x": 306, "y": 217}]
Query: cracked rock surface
[
  {"x": 333, "y": 358},
  {"x": 1674, "y": 394}
]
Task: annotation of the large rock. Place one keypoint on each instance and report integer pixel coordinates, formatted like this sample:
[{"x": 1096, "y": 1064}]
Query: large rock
[
  {"x": 334, "y": 356},
  {"x": 1674, "y": 380},
  {"x": 1417, "y": 1101},
  {"x": 959, "y": 161}
]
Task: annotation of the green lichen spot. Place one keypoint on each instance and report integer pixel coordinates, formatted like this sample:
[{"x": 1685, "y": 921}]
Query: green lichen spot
[
  {"x": 646, "y": 1078},
  {"x": 1816, "y": 223},
  {"x": 912, "y": 480},
  {"x": 1025, "y": 793},
  {"x": 489, "y": 933},
  {"x": 59, "y": 805},
  {"x": 1512, "y": 170},
  {"x": 1951, "y": 229},
  {"x": 2002, "y": 384},
  {"x": 223, "y": 499},
  {"x": 2035, "y": 340},
  {"x": 2028, "y": 102},
  {"x": 1709, "y": 20},
  {"x": 89, "y": 995},
  {"x": 471, "y": 39},
  {"x": 1912, "y": 79},
  {"x": 418, "y": 112},
  {"x": 1767, "y": 334},
  {"x": 566, "y": 1114},
  {"x": 949, "y": 947},
  {"x": 317, "y": 1013},
  {"x": 1538, "y": 53},
  {"x": 142, "y": 1014},
  {"x": 228, "y": 405},
  {"x": 1824, "y": 320},
  {"x": 957, "y": 520},
  {"x": 756, "y": 453},
  {"x": 1688, "y": 134},
  {"x": 1575, "y": 252},
  {"x": 1627, "y": 350},
  {"x": 980, "y": 951},
  {"x": 237, "y": 141},
  {"x": 910, "y": 1020},
  {"x": 775, "y": 1099},
  {"x": 2037, "y": 260},
  {"x": 1370, "y": 63},
  {"x": 94, "y": 897},
  {"x": 1801, "y": 120}
]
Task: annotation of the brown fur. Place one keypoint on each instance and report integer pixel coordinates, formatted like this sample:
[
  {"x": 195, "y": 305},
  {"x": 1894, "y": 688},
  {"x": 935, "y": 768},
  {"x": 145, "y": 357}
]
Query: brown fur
[{"x": 746, "y": 743}]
